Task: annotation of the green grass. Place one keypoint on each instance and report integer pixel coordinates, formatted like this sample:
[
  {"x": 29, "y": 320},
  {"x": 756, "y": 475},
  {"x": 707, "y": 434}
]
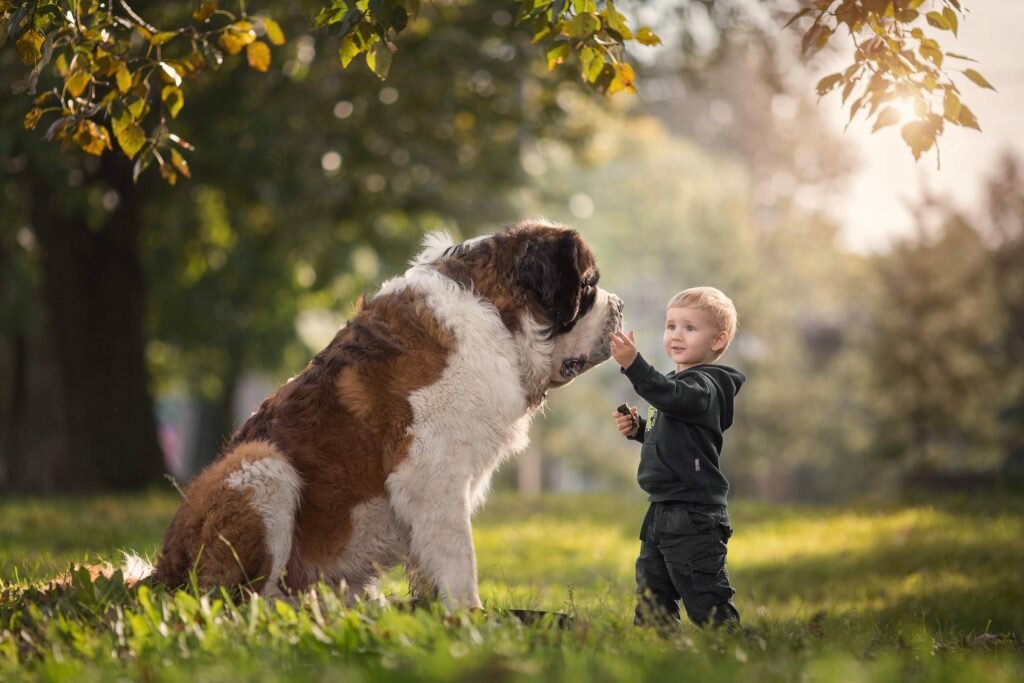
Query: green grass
[{"x": 931, "y": 590}]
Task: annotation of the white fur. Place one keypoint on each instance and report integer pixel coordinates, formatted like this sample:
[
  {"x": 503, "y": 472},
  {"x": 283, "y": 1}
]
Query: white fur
[
  {"x": 464, "y": 425},
  {"x": 135, "y": 567},
  {"x": 276, "y": 490}
]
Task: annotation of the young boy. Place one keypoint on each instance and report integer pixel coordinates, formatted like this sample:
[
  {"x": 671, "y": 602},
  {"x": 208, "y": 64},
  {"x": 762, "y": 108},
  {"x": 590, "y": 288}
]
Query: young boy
[{"x": 686, "y": 530}]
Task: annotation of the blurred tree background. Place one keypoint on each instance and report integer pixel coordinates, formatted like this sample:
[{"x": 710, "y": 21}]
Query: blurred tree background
[{"x": 135, "y": 317}]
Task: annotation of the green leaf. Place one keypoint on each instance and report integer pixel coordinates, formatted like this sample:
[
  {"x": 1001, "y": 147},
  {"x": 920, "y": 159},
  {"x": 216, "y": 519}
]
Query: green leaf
[
  {"x": 378, "y": 58},
  {"x": 557, "y": 54},
  {"x": 887, "y": 117},
  {"x": 978, "y": 79},
  {"x": 591, "y": 63},
  {"x": 348, "y": 50},
  {"x": 174, "y": 98},
  {"x": 646, "y": 36},
  {"x": 582, "y": 26}
]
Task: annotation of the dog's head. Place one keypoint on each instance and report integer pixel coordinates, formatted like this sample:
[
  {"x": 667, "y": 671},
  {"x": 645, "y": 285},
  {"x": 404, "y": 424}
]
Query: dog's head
[
  {"x": 542, "y": 272},
  {"x": 557, "y": 271}
]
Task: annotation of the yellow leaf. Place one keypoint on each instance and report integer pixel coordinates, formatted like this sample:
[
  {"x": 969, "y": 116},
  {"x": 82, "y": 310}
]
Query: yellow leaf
[
  {"x": 92, "y": 137},
  {"x": 124, "y": 78},
  {"x": 162, "y": 37},
  {"x": 274, "y": 33},
  {"x": 168, "y": 173},
  {"x": 258, "y": 54},
  {"x": 237, "y": 36},
  {"x": 978, "y": 79},
  {"x": 77, "y": 82},
  {"x": 887, "y": 117},
  {"x": 129, "y": 135},
  {"x": 180, "y": 163},
  {"x": 173, "y": 98},
  {"x": 169, "y": 73},
  {"x": 624, "y": 79},
  {"x": 205, "y": 11},
  {"x": 138, "y": 109},
  {"x": 32, "y": 118},
  {"x": 28, "y": 47}
]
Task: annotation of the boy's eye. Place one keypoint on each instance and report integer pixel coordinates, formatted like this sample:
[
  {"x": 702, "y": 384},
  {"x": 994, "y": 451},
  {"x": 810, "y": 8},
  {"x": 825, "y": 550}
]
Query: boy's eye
[{"x": 691, "y": 328}]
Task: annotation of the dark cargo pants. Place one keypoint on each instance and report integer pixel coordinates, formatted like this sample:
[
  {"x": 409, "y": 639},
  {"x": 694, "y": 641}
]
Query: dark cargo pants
[{"x": 682, "y": 557}]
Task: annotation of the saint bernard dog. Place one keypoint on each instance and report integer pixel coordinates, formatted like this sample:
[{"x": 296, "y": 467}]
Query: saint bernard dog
[{"x": 380, "y": 451}]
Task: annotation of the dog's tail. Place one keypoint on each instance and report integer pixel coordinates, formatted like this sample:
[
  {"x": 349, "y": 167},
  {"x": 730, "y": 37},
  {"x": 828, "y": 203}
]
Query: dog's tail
[{"x": 136, "y": 568}]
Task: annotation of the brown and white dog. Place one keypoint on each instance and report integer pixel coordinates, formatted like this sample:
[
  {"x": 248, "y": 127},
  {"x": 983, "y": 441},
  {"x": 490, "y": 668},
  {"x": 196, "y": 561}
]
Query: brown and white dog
[{"x": 379, "y": 452}]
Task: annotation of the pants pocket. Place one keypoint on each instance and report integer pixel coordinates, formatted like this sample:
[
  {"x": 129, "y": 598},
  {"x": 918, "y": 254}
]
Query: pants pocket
[{"x": 711, "y": 581}]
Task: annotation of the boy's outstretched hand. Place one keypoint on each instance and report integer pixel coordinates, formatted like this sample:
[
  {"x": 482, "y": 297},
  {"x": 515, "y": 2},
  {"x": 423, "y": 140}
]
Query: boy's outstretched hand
[{"x": 623, "y": 348}]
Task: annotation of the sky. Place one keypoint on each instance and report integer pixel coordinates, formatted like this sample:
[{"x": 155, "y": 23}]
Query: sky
[{"x": 874, "y": 210}]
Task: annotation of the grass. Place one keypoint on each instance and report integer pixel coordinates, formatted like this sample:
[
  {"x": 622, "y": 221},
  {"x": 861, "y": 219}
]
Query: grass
[{"x": 930, "y": 590}]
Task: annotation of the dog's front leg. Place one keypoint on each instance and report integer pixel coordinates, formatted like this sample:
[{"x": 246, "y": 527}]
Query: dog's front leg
[{"x": 441, "y": 535}]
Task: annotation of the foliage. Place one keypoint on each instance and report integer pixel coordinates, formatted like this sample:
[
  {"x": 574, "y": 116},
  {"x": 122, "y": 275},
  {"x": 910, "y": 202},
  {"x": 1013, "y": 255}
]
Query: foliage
[
  {"x": 123, "y": 79},
  {"x": 898, "y": 592},
  {"x": 896, "y": 66}
]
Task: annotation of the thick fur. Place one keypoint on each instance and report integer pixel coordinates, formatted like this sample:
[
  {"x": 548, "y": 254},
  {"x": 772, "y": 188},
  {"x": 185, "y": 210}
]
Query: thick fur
[{"x": 379, "y": 452}]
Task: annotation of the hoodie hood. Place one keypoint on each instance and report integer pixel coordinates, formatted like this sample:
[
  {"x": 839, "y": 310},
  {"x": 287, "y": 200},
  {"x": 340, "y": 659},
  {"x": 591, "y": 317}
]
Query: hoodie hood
[{"x": 728, "y": 380}]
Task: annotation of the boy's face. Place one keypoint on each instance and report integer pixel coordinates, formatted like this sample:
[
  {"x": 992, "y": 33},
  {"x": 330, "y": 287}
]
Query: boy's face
[{"x": 691, "y": 337}]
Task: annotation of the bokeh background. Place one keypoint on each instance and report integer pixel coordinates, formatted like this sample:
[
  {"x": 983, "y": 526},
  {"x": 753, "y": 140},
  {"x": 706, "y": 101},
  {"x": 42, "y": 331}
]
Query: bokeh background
[{"x": 881, "y": 300}]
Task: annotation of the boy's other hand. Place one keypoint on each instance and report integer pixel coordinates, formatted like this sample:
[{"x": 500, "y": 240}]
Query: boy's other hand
[
  {"x": 627, "y": 424},
  {"x": 623, "y": 347}
]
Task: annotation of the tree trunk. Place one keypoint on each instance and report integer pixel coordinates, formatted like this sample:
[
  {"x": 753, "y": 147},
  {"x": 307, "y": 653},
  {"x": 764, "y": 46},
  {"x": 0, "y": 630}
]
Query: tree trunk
[{"x": 93, "y": 291}]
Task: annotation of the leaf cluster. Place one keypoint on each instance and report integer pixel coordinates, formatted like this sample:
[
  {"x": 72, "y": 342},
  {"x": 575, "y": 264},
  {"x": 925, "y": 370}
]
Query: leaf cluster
[
  {"x": 578, "y": 30},
  {"x": 119, "y": 78},
  {"x": 899, "y": 72}
]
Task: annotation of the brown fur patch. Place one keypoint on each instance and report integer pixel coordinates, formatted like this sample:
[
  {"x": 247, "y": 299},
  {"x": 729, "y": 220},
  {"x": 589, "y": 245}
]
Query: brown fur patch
[
  {"x": 342, "y": 424},
  {"x": 216, "y": 531}
]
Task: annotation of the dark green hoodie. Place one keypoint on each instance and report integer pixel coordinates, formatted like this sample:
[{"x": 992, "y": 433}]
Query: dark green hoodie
[{"x": 682, "y": 434}]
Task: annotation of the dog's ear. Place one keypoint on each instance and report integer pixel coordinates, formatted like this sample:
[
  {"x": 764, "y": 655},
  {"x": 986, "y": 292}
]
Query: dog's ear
[{"x": 550, "y": 269}]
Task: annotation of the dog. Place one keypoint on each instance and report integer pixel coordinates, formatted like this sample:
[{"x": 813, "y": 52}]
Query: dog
[{"x": 382, "y": 449}]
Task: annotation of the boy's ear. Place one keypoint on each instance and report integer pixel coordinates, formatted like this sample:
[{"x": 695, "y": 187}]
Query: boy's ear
[{"x": 720, "y": 341}]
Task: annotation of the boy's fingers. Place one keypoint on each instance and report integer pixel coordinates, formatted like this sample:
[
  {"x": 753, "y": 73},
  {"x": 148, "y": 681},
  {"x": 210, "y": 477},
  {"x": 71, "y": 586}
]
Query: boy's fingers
[{"x": 632, "y": 336}]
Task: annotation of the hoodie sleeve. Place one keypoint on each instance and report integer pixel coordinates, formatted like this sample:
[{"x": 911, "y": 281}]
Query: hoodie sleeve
[
  {"x": 639, "y": 436},
  {"x": 683, "y": 397}
]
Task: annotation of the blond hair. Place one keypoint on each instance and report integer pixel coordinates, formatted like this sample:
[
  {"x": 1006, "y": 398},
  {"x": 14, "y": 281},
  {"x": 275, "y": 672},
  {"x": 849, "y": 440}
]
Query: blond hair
[{"x": 713, "y": 301}]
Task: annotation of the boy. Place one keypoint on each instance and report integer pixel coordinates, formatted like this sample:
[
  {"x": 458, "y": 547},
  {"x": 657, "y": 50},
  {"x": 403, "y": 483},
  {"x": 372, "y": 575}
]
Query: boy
[{"x": 686, "y": 530}]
